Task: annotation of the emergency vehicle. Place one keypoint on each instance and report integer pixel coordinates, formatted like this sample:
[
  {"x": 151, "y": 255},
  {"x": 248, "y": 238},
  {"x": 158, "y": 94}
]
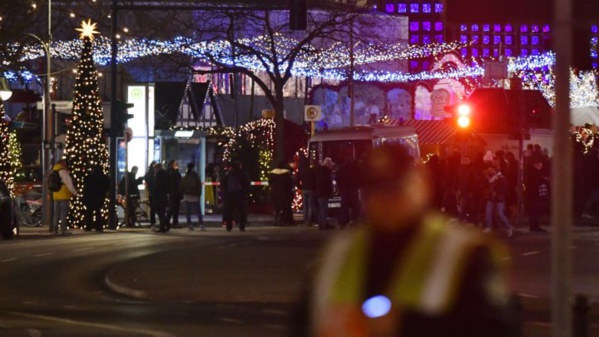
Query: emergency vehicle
[{"x": 350, "y": 143}]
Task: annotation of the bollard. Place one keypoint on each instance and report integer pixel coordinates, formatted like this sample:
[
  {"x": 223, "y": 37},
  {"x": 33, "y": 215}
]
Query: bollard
[
  {"x": 516, "y": 309},
  {"x": 580, "y": 319}
]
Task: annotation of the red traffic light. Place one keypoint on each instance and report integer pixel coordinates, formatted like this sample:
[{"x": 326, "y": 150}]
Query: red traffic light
[{"x": 463, "y": 115}]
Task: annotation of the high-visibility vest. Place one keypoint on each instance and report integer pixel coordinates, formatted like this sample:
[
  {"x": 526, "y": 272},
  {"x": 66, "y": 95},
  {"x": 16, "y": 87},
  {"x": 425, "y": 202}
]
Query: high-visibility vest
[{"x": 426, "y": 279}]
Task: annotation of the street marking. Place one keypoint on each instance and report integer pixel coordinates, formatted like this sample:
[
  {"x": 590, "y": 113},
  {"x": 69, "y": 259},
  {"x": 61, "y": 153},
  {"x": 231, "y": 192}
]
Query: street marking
[
  {"x": 91, "y": 324},
  {"x": 530, "y": 253},
  {"x": 82, "y": 249},
  {"x": 42, "y": 254},
  {"x": 9, "y": 260},
  {"x": 230, "y": 320}
]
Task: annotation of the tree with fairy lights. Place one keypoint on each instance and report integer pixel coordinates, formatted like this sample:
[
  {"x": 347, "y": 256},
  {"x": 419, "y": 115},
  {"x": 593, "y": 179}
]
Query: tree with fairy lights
[
  {"x": 6, "y": 169},
  {"x": 85, "y": 146},
  {"x": 15, "y": 151}
]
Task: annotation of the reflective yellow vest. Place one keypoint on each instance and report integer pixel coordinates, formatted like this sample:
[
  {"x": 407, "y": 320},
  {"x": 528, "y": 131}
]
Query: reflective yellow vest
[{"x": 426, "y": 279}]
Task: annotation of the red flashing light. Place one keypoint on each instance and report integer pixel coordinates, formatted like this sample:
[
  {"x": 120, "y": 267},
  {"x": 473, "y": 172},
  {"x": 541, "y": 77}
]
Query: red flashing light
[{"x": 463, "y": 115}]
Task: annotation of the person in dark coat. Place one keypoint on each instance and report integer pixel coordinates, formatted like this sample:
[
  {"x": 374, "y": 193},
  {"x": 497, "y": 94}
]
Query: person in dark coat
[
  {"x": 235, "y": 186},
  {"x": 537, "y": 192},
  {"x": 7, "y": 223},
  {"x": 128, "y": 186},
  {"x": 348, "y": 180},
  {"x": 161, "y": 190},
  {"x": 150, "y": 187},
  {"x": 175, "y": 195},
  {"x": 191, "y": 188},
  {"x": 324, "y": 191},
  {"x": 95, "y": 187},
  {"x": 280, "y": 181}
]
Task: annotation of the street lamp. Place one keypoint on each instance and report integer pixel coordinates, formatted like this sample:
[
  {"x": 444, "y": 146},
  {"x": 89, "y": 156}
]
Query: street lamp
[{"x": 5, "y": 91}]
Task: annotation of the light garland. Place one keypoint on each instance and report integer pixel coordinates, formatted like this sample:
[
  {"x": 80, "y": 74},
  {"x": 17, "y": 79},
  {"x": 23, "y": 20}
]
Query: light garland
[
  {"x": 6, "y": 170},
  {"x": 15, "y": 151}
]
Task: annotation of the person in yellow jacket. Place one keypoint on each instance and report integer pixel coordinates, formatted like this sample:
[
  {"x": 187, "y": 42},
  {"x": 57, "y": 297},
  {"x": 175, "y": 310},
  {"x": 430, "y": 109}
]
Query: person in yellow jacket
[
  {"x": 62, "y": 198},
  {"x": 407, "y": 271}
]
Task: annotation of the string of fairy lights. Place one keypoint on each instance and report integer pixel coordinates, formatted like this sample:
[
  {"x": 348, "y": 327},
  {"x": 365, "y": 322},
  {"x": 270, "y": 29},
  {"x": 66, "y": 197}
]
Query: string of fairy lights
[{"x": 6, "y": 171}]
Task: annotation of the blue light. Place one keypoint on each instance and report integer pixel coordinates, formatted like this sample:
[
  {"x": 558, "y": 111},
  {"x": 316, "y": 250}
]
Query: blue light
[{"x": 376, "y": 306}]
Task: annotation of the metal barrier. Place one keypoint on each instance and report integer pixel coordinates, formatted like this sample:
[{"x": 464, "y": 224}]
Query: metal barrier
[{"x": 253, "y": 183}]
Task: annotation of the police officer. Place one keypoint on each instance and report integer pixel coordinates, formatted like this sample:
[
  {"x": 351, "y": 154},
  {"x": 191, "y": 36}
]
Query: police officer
[{"x": 407, "y": 271}]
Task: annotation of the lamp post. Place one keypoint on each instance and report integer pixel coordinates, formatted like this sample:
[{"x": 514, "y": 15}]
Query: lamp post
[{"x": 5, "y": 91}]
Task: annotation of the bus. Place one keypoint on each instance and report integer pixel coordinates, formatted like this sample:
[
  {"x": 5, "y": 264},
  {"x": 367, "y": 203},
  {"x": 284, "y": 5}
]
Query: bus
[{"x": 350, "y": 143}]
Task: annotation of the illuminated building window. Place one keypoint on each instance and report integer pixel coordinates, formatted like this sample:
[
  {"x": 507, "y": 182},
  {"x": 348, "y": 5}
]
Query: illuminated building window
[
  {"x": 486, "y": 39},
  {"x": 413, "y": 64},
  {"x": 463, "y": 28},
  {"x": 426, "y": 8},
  {"x": 402, "y": 8},
  {"x": 486, "y": 52},
  {"x": 508, "y": 28},
  {"x": 524, "y": 40},
  {"x": 594, "y": 29},
  {"x": 496, "y": 39},
  {"x": 497, "y": 28},
  {"x": 475, "y": 39},
  {"x": 524, "y": 52},
  {"x": 426, "y": 39},
  {"x": 463, "y": 38},
  {"x": 534, "y": 52},
  {"x": 438, "y": 8},
  {"x": 390, "y": 8},
  {"x": 426, "y": 26},
  {"x": 414, "y": 8},
  {"x": 426, "y": 65},
  {"x": 464, "y": 52},
  {"x": 508, "y": 39},
  {"x": 438, "y": 26},
  {"x": 486, "y": 27},
  {"x": 475, "y": 28},
  {"x": 546, "y": 29},
  {"x": 508, "y": 52},
  {"x": 495, "y": 52},
  {"x": 534, "y": 28},
  {"x": 439, "y": 38},
  {"x": 414, "y": 26},
  {"x": 534, "y": 40},
  {"x": 523, "y": 28},
  {"x": 414, "y": 39},
  {"x": 475, "y": 52}
]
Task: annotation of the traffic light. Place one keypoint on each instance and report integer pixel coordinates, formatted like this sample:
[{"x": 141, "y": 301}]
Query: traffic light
[
  {"x": 463, "y": 116},
  {"x": 120, "y": 116},
  {"x": 298, "y": 14}
]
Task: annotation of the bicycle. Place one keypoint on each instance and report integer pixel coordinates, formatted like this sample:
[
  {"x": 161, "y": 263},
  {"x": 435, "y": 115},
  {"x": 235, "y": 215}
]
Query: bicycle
[
  {"x": 140, "y": 213},
  {"x": 30, "y": 213}
]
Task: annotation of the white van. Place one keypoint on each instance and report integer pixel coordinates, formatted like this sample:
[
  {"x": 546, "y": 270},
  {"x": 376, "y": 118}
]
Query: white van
[{"x": 350, "y": 143}]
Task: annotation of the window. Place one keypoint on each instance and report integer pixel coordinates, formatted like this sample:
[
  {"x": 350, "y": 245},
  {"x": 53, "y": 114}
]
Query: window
[
  {"x": 534, "y": 40},
  {"x": 508, "y": 52},
  {"x": 389, "y": 8},
  {"x": 534, "y": 28},
  {"x": 463, "y": 38},
  {"x": 426, "y": 8},
  {"x": 475, "y": 39},
  {"x": 426, "y": 26},
  {"x": 413, "y": 64},
  {"x": 463, "y": 28},
  {"x": 438, "y": 26},
  {"x": 414, "y": 26},
  {"x": 534, "y": 52},
  {"x": 508, "y": 39},
  {"x": 438, "y": 8},
  {"x": 475, "y": 28},
  {"x": 523, "y": 28},
  {"x": 496, "y": 39},
  {"x": 524, "y": 52},
  {"x": 486, "y": 52},
  {"x": 426, "y": 39},
  {"x": 486, "y": 39},
  {"x": 508, "y": 28},
  {"x": 497, "y": 28},
  {"x": 464, "y": 52},
  {"x": 524, "y": 40},
  {"x": 414, "y": 8},
  {"x": 439, "y": 38},
  {"x": 486, "y": 27},
  {"x": 475, "y": 52},
  {"x": 546, "y": 29},
  {"x": 414, "y": 39},
  {"x": 402, "y": 8}
]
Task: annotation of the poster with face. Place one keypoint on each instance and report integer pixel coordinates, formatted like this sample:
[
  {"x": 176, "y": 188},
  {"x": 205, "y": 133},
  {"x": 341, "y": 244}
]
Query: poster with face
[{"x": 439, "y": 99}]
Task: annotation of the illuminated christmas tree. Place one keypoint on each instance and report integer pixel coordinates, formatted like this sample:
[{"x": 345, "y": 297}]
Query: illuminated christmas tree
[
  {"x": 6, "y": 170},
  {"x": 15, "y": 151},
  {"x": 85, "y": 146}
]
